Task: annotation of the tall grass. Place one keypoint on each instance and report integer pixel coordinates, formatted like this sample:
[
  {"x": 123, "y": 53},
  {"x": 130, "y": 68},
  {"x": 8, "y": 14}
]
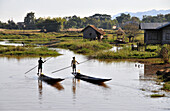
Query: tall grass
[
  {"x": 125, "y": 53},
  {"x": 83, "y": 46},
  {"x": 27, "y": 51},
  {"x": 166, "y": 86}
]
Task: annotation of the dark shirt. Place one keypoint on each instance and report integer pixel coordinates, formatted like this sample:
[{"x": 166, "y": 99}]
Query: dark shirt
[{"x": 40, "y": 63}]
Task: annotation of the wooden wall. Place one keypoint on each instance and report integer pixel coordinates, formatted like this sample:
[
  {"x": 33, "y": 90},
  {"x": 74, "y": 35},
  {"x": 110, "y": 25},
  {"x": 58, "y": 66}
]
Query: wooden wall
[
  {"x": 161, "y": 36},
  {"x": 153, "y": 36},
  {"x": 166, "y": 35},
  {"x": 89, "y": 33}
]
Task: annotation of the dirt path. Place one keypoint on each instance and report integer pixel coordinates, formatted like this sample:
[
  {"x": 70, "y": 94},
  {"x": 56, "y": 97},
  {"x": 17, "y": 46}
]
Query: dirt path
[{"x": 1, "y": 30}]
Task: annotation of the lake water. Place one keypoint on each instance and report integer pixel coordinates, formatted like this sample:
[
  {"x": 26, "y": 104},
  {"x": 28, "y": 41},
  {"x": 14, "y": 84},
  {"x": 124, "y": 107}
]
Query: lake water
[
  {"x": 23, "y": 92},
  {"x": 10, "y": 44}
]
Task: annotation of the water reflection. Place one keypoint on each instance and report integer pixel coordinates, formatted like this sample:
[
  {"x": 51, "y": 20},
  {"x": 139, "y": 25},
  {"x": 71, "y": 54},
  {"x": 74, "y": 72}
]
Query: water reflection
[
  {"x": 74, "y": 86},
  {"x": 102, "y": 84},
  {"x": 57, "y": 85},
  {"x": 40, "y": 88}
]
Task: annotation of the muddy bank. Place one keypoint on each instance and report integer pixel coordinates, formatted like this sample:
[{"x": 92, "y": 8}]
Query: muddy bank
[{"x": 152, "y": 68}]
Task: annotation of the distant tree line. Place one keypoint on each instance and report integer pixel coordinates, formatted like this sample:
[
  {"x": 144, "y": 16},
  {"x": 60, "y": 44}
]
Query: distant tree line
[
  {"x": 124, "y": 18},
  {"x": 158, "y": 18},
  {"x": 99, "y": 20}
]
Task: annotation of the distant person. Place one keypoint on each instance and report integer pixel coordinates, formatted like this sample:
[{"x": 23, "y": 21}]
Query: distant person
[
  {"x": 73, "y": 64},
  {"x": 23, "y": 44},
  {"x": 40, "y": 62}
]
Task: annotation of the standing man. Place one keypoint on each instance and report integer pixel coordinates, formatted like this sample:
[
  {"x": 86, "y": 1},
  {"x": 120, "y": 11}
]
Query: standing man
[
  {"x": 40, "y": 62},
  {"x": 73, "y": 64}
]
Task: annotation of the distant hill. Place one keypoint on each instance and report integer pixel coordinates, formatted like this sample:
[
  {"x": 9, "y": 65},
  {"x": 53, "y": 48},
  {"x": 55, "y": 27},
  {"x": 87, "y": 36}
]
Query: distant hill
[{"x": 140, "y": 14}]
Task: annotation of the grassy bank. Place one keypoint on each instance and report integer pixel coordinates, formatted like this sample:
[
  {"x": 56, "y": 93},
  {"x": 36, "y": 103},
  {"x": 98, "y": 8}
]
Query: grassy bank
[
  {"x": 166, "y": 86},
  {"x": 26, "y": 51},
  {"x": 74, "y": 42},
  {"x": 35, "y": 37},
  {"x": 126, "y": 53},
  {"x": 32, "y": 38},
  {"x": 83, "y": 46}
]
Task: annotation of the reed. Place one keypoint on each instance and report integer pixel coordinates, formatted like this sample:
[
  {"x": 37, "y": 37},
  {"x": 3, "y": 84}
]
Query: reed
[
  {"x": 166, "y": 86},
  {"x": 83, "y": 46},
  {"x": 157, "y": 95},
  {"x": 26, "y": 51},
  {"x": 125, "y": 53}
]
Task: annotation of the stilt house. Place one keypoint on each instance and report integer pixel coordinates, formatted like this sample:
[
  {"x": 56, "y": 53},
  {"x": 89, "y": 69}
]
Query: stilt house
[{"x": 156, "y": 33}]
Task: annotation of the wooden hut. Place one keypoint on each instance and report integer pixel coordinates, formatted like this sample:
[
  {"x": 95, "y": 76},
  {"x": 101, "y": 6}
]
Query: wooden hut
[
  {"x": 93, "y": 33},
  {"x": 120, "y": 35},
  {"x": 156, "y": 33}
]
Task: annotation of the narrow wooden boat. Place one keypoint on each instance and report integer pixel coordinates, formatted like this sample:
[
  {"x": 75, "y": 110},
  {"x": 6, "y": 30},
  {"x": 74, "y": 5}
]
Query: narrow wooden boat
[
  {"x": 90, "y": 79},
  {"x": 48, "y": 79}
]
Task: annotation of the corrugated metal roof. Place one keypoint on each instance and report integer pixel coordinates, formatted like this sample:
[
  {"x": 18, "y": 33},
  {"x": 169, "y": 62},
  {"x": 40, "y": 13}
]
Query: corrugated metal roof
[{"x": 153, "y": 25}]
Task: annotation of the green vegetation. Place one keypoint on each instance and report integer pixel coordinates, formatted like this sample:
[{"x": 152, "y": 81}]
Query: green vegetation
[
  {"x": 126, "y": 53},
  {"x": 166, "y": 86},
  {"x": 83, "y": 46},
  {"x": 164, "y": 54},
  {"x": 157, "y": 95},
  {"x": 143, "y": 89},
  {"x": 26, "y": 51},
  {"x": 74, "y": 42},
  {"x": 155, "y": 91},
  {"x": 35, "y": 37}
]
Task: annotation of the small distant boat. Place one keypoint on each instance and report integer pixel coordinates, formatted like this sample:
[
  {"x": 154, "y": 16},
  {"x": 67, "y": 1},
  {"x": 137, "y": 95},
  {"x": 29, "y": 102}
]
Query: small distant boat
[
  {"x": 49, "y": 79},
  {"x": 90, "y": 79}
]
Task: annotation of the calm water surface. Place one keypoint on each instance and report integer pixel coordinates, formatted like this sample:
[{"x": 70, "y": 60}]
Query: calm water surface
[
  {"x": 6, "y": 42},
  {"x": 19, "y": 91}
]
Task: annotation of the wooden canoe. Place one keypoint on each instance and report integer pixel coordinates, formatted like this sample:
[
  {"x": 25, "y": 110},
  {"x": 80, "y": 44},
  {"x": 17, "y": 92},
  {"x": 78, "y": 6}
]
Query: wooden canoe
[
  {"x": 48, "y": 79},
  {"x": 90, "y": 79}
]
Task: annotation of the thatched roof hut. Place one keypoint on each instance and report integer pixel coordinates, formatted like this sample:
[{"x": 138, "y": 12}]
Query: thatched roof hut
[{"x": 120, "y": 32}]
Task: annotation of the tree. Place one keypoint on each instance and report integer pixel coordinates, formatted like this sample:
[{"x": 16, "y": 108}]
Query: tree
[
  {"x": 159, "y": 18},
  {"x": 123, "y": 18},
  {"x": 99, "y": 20},
  {"x": 12, "y": 25},
  {"x": 167, "y": 17},
  {"x": 101, "y": 16},
  {"x": 3, "y": 25},
  {"x": 39, "y": 24},
  {"x": 164, "y": 54},
  {"x": 51, "y": 25},
  {"x": 135, "y": 19},
  {"x": 131, "y": 29},
  {"x": 29, "y": 21}
]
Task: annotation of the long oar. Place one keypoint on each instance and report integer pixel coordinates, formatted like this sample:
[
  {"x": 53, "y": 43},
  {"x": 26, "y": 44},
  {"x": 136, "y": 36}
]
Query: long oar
[
  {"x": 68, "y": 67},
  {"x": 37, "y": 65}
]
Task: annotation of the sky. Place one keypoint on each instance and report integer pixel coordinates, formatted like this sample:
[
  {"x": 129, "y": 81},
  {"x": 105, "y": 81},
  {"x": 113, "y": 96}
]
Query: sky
[{"x": 17, "y": 9}]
